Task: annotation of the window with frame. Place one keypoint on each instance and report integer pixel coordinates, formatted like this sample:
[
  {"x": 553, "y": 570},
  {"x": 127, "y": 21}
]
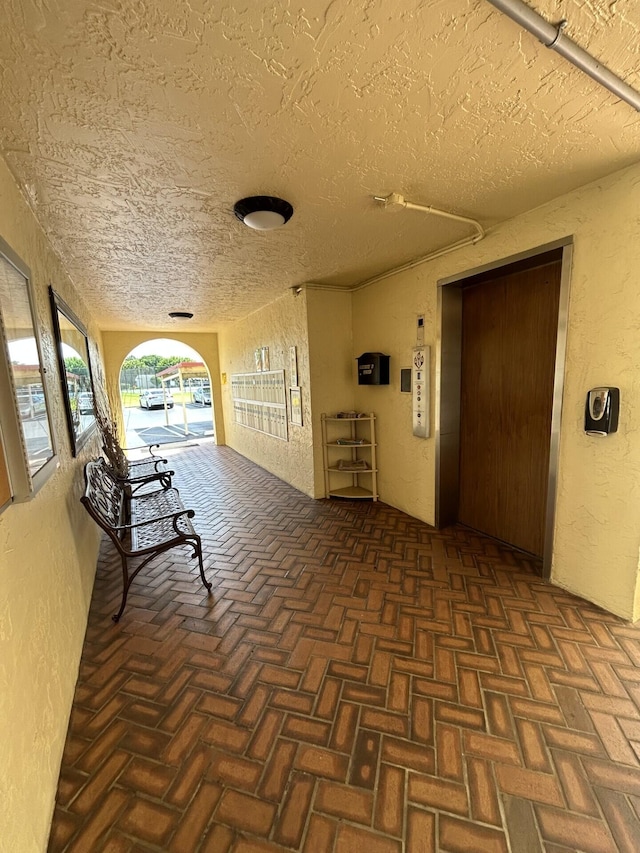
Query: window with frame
[
  {"x": 5, "y": 483},
  {"x": 25, "y": 422},
  {"x": 75, "y": 372}
]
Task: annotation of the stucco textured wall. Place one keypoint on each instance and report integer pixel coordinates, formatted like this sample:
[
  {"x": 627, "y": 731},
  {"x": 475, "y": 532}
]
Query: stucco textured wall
[
  {"x": 384, "y": 320},
  {"x": 118, "y": 345},
  {"x": 597, "y": 531},
  {"x": 280, "y": 325},
  {"x": 331, "y": 364},
  {"x": 48, "y": 551}
]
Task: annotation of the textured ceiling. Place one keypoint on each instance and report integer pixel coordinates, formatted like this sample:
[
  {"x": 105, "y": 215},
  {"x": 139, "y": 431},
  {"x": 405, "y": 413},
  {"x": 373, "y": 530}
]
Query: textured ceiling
[{"x": 134, "y": 125}]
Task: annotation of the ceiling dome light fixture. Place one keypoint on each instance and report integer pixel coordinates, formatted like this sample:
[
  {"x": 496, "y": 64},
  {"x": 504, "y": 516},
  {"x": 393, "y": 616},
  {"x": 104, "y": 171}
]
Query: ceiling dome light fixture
[
  {"x": 263, "y": 212},
  {"x": 180, "y": 315}
]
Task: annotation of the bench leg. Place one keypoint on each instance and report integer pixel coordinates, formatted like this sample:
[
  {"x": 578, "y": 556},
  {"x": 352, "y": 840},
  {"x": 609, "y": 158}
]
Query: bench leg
[
  {"x": 197, "y": 551},
  {"x": 196, "y": 544},
  {"x": 126, "y": 583}
]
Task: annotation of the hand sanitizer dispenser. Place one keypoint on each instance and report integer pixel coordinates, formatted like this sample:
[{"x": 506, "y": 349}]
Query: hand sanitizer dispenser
[{"x": 601, "y": 411}]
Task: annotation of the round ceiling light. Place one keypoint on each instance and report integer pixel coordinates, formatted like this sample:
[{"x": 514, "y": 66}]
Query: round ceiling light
[
  {"x": 180, "y": 315},
  {"x": 263, "y": 212}
]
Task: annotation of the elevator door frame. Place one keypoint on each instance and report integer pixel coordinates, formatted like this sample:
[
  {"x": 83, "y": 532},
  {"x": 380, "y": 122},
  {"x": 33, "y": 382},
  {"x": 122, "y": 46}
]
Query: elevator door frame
[{"x": 448, "y": 385}]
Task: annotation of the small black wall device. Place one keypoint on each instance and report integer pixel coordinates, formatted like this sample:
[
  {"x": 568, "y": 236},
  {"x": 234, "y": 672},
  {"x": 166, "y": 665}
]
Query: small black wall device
[
  {"x": 601, "y": 411},
  {"x": 373, "y": 368}
]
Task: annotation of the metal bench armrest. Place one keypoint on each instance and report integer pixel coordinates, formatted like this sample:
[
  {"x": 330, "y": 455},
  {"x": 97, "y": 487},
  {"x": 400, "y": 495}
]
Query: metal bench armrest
[
  {"x": 172, "y": 515},
  {"x": 148, "y": 478}
]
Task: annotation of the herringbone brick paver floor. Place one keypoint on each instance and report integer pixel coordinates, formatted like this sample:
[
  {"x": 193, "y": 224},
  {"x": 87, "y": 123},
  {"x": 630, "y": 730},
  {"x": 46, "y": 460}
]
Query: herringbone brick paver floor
[{"x": 356, "y": 682}]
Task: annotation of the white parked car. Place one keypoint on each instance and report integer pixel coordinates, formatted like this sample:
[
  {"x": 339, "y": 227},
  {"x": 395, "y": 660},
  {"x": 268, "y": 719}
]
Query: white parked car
[
  {"x": 202, "y": 395},
  {"x": 30, "y": 404},
  {"x": 154, "y": 398},
  {"x": 85, "y": 403}
]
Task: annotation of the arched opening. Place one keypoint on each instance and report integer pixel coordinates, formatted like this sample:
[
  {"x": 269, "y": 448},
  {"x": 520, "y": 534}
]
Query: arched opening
[{"x": 166, "y": 394}]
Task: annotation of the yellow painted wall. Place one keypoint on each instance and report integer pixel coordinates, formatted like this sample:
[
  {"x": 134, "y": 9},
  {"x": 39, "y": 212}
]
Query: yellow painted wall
[
  {"x": 384, "y": 320},
  {"x": 48, "y": 552},
  {"x": 280, "y": 325},
  {"x": 118, "y": 345},
  {"x": 597, "y": 530},
  {"x": 331, "y": 364}
]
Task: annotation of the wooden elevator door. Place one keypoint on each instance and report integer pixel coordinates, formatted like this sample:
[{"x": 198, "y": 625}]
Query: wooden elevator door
[{"x": 509, "y": 333}]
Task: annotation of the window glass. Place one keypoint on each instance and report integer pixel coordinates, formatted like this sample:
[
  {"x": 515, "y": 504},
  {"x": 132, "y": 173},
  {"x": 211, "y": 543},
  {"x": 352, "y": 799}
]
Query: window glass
[{"x": 25, "y": 366}]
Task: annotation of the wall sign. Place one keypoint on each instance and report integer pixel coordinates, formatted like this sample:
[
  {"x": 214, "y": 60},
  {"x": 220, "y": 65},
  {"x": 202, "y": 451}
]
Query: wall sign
[{"x": 295, "y": 400}]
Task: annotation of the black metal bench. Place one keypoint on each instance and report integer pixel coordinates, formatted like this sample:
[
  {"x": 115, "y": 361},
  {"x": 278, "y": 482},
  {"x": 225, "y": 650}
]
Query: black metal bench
[
  {"x": 158, "y": 521},
  {"x": 141, "y": 472}
]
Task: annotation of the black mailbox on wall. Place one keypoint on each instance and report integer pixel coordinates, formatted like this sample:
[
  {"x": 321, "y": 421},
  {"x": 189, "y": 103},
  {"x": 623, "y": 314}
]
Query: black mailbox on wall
[{"x": 373, "y": 368}]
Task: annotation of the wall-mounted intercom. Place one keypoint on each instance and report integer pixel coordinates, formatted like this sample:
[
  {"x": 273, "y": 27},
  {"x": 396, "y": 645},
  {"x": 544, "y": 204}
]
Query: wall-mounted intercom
[{"x": 601, "y": 411}]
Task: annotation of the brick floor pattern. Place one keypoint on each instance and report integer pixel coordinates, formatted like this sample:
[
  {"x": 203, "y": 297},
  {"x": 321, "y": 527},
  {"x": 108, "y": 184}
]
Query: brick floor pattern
[{"x": 357, "y": 681}]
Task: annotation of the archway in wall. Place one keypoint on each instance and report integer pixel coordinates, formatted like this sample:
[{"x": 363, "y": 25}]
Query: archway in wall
[{"x": 166, "y": 394}]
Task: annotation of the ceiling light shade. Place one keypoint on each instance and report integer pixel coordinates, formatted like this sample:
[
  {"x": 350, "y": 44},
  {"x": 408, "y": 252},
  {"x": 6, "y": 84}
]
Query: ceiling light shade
[
  {"x": 180, "y": 315},
  {"x": 263, "y": 212}
]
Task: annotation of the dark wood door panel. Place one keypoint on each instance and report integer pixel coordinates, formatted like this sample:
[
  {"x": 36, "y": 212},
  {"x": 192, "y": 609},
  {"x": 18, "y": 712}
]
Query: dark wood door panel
[{"x": 509, "y": 331}]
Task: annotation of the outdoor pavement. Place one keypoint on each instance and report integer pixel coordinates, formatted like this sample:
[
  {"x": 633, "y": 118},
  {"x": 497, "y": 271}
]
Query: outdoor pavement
[{"x": 149, "y": 426}]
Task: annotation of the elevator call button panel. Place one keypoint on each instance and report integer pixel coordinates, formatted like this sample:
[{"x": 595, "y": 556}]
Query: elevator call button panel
[{"x": 420, "y": 376}]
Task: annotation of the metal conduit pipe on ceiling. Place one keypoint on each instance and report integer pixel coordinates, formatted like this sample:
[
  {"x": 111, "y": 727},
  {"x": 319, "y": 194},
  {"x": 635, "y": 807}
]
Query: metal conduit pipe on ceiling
[
  {"x": 552, "y": 36},
  {"x": 398, "y": 200}
]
